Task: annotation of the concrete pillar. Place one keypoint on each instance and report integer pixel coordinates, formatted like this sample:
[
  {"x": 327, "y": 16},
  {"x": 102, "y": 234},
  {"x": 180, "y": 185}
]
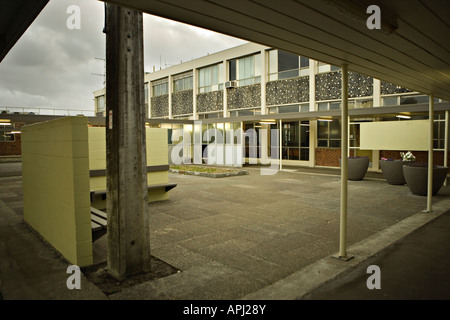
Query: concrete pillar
[
  {"x": 150, "y": 93},
  {"x": 376, "y": 93},
  {"x": 127, "y": 206},
  {"x": 170, "y": 89},
  {"x": 194, "y": 93},
  {"x": 312, "y": 84},
  {"x": 226, "y": 75},
  {"x": 264, "y": 64}
]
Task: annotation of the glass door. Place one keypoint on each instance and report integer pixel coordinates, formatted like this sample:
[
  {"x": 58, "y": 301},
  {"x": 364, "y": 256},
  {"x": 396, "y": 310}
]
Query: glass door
[{"x": 295, "y": 141}]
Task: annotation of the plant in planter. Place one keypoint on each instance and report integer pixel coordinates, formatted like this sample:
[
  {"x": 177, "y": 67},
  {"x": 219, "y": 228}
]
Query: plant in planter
[
  {"x": 357, "y": 167},
  {"x": 416, "y": 177},
  {"x": 393, "y": 171},
  {"x": 408, "y": 156}
]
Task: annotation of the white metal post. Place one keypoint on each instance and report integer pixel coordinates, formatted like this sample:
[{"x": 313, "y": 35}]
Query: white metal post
[
  {"x": 344, "y": 165},
  {"x": 446, "y": 144},
  {"x": 281, "y": 143},
  {"x": 430, "y": 154},
  {"x": 348, "y": 137}
]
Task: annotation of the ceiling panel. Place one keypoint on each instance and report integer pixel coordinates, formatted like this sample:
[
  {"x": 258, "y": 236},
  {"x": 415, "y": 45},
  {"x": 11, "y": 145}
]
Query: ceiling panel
[{"x": 415, "y": 56}]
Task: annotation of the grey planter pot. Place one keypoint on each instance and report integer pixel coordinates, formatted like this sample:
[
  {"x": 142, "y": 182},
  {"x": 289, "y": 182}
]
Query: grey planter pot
[
  {"x": 393, "y": 171},
  {"x": 417, "y": 179},
  {"x": 357, "y": 168}
]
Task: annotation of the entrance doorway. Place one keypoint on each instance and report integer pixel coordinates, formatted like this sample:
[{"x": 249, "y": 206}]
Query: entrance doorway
[{"x": 295, "y": 140}]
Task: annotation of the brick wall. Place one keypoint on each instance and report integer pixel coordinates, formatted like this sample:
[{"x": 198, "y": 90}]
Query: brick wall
[
  {"x": 329, "y": 157},
  {"x": 11, "y": 148},
  {"x": 421, "y": 156}
]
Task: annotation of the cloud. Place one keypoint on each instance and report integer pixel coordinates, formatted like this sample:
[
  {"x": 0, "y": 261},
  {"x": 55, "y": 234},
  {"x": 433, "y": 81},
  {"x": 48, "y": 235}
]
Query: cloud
[
  {"x": 167, "y": 43},
  {"x": 53, "y": 66}
]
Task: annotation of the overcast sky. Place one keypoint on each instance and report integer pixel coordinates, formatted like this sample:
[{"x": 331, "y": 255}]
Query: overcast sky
[{"x": 53, "y": 66}]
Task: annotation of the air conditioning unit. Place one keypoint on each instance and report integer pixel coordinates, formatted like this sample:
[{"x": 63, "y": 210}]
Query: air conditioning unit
[{"x": 230, "y": 84}]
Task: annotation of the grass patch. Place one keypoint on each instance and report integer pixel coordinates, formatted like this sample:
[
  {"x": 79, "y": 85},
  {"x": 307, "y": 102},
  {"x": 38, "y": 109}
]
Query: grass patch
[{"x": 202, "y": 169}]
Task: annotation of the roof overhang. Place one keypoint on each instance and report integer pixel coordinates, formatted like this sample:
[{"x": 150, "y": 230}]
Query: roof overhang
[
  {"x": 355, "y": 114},
  {"x": 374, "y": 112},
  {"x": 15, "y": 18},
  {"x": 411, "y": 50},
  {"x": 392, "y": 111}
]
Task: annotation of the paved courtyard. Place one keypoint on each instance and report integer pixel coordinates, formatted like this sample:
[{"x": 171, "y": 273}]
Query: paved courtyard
[
  {"x": 231, "y": 236},
  {"x": 239, "y": 234}
]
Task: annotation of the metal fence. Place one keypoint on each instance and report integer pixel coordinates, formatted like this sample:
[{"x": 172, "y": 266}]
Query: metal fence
[{"x": 46, "y": 111}]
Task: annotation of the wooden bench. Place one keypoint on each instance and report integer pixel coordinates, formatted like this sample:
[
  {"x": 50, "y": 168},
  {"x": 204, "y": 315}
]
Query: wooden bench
[
  {"x": 99, "y": 217},
  {"x": 98, "y": 223},
  {"x": 102, "y": 193}
]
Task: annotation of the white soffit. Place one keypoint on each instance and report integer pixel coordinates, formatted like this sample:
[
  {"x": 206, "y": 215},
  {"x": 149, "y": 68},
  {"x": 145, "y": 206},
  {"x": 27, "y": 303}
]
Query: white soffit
[{"x": 416, "y": 55}]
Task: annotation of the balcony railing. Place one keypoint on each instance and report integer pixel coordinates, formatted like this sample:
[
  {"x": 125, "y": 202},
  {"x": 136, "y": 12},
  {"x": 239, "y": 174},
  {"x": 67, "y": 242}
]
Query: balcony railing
[{"x": 46, "y": 111}]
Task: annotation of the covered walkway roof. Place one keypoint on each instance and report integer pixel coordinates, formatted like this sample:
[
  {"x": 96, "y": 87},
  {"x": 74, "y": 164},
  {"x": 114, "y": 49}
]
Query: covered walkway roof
[
  {"x": 411, "y": 50},
  {"x": 15, "y": 18}
]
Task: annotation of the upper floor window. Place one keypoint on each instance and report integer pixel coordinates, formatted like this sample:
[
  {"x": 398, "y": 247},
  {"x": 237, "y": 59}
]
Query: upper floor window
[
  {"x": 324, "y": 106},
  {"x": 182, "y": 82},
  {"x": 324, "y": 67},
  {"x": 160, "y": 87},
  {"x": 406, "y": 99},
  {"x": 246, "y": 70},
  {"x": 100, "y": 104},
  {"x": 352, "y": 104},
  {"x": 210, "y": 78},
  {"x": 285, "y": 65}
]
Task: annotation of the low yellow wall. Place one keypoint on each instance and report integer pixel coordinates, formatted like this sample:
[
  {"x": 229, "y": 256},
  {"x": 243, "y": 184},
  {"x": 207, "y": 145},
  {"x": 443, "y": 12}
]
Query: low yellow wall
[
  {"x": 55, "y": 169},
  {"x": 157, "y": 154},
  {"x": 56, "y": 158},
  {"x": 395, "y": 135}
]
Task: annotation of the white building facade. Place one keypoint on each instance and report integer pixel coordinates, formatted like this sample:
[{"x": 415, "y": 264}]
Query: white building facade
[{"x": 243, "y": 87}]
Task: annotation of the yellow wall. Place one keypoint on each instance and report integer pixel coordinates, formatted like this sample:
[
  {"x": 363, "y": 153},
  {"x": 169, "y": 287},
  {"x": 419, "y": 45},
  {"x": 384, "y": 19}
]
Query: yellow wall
[
  {"x": 395, "y": 135},
  {"x": 56, "y": 158},
  {"x": 157, "y": 154},
  {"x": 55, "y": 169}
]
